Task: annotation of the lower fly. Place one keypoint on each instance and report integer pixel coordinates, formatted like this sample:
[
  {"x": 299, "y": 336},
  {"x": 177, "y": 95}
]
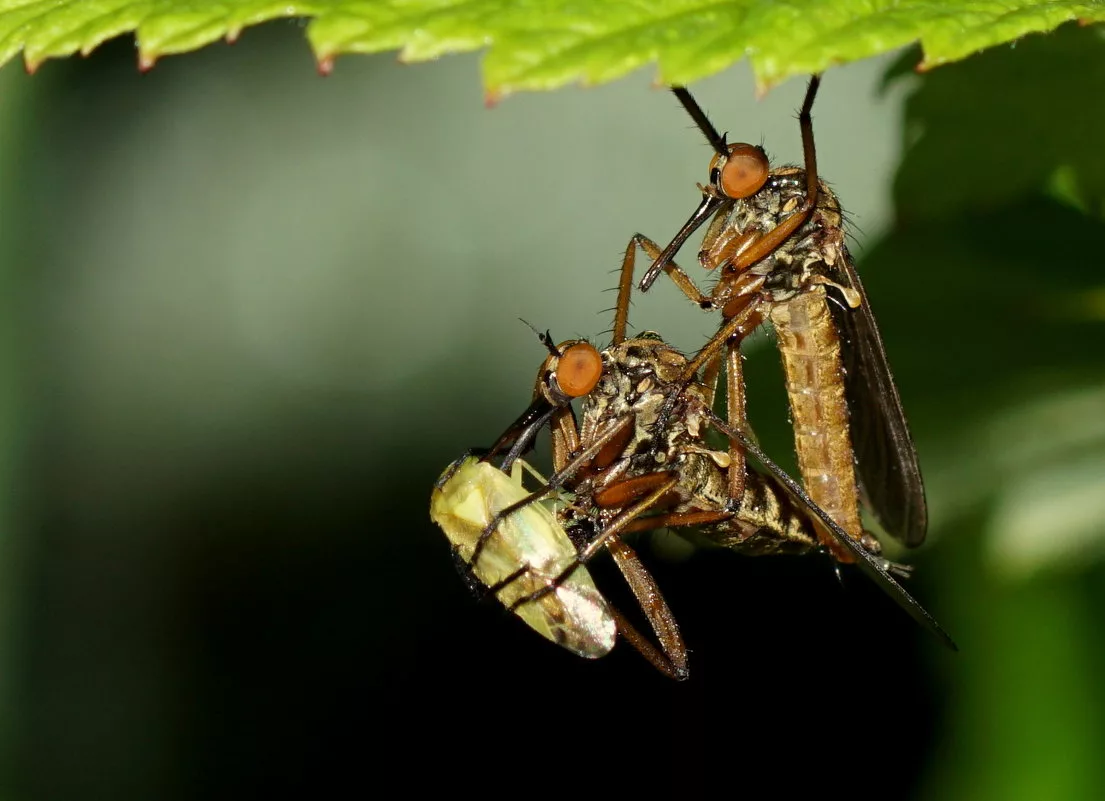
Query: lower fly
[{"x": 619, "y": 470}]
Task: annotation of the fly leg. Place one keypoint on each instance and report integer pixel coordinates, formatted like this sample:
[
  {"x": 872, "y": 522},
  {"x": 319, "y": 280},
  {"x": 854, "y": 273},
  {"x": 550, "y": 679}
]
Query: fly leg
[
  {"x": 871, "y": 564},
  {"x": 481, "y": 453},
  {"x": 731, "y": 334},
  {"x": 671, "y": 657},
  {"x": 671, "y": 660},
  {"x": 555, "y": 481},
  {"x": 737, "y": 415},
  {"x": 625, "y": 282},
  {"x": 609, "y": 531}
]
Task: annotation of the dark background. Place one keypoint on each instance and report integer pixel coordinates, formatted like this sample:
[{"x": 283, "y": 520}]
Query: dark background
[{"x": 250, "y": 314}]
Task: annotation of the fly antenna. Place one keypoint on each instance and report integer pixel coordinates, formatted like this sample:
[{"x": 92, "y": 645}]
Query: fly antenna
[
  {"x": 716, "y": 140},
  {"x": 546, "y": 338}
]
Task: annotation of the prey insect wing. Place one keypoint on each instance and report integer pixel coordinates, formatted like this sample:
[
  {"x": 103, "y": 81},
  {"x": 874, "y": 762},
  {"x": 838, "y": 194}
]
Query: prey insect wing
[
  {"x": 528, "y": 550},
  {"x": 505, "y": 535}
]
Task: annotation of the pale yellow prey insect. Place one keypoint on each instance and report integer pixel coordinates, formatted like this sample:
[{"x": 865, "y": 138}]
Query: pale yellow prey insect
[{"x": 528, "y": 551}]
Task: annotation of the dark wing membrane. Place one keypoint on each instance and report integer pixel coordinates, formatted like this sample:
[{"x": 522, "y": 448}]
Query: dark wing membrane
[
  {"x": 886, "y": 460},
  {"x": 872, "y": 565}
]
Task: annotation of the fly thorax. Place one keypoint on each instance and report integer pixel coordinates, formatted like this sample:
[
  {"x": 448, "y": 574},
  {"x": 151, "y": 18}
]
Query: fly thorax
[
  {"x": 639, "y": 377},
  {"x": 703, "y": 484}
]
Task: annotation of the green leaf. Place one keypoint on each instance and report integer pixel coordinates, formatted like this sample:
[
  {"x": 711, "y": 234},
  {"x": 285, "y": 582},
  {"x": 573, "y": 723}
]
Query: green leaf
[
  {"x": 1008, "y": 124},
  {"x": 542, "y": 44},
  {"x": 45, "y": 29},
  {"x": 998, "y": 223}
]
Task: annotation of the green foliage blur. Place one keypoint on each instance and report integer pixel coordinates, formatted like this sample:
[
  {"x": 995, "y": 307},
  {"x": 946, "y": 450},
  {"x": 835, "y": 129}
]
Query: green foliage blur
[
  {"x": 1000, "y": 200},
  {"x": 250, "y": 314}
]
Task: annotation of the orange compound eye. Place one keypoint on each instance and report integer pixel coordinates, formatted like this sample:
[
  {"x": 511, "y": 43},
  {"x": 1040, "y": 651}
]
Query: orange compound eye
[
  {"x": 580, "y": 368},
  {"x": 744, "y": 172}
]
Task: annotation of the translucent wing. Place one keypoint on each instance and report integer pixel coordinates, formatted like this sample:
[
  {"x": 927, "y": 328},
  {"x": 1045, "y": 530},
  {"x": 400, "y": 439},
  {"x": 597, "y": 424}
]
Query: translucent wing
[
  {"x": 527, "y": 553},
  {"x": 874, "y": 566},
  {"x": 886, "y": 460}
]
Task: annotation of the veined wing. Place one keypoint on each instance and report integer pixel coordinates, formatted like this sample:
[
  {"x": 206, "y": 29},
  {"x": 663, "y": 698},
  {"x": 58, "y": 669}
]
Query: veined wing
[
  {"x": 886, "y": 460},
  {"x": 527, "y": 553},
  {"x": 874, "y": 566}
]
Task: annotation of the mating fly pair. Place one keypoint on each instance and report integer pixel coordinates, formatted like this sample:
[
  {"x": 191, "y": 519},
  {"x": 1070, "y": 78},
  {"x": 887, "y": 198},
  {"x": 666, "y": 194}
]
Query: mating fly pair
[{"x": 639, "y": 459}]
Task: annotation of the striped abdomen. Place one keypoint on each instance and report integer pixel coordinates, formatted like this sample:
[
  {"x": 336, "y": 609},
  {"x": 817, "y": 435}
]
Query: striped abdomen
[{"x": 810, "y": 348}]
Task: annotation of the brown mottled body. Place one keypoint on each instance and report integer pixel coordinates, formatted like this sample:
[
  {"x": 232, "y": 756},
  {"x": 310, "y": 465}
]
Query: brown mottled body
[
  {"x": 769, "y": 522},
  {"x": 632, "y": 471},
  {"x": 798, "y": 275},
  {"x": 626, "y": 472},
  {"x": 789, "y": 288},
  {"x": 662, "y": 390},
  {"x": 810, "y": 347},
  {"x": 638, "y": 377},
  {"x": 776, "y": 241}
]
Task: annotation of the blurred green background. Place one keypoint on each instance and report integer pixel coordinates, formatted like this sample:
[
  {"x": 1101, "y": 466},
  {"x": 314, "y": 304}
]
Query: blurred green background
[{"x": 250, "y": 314}]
